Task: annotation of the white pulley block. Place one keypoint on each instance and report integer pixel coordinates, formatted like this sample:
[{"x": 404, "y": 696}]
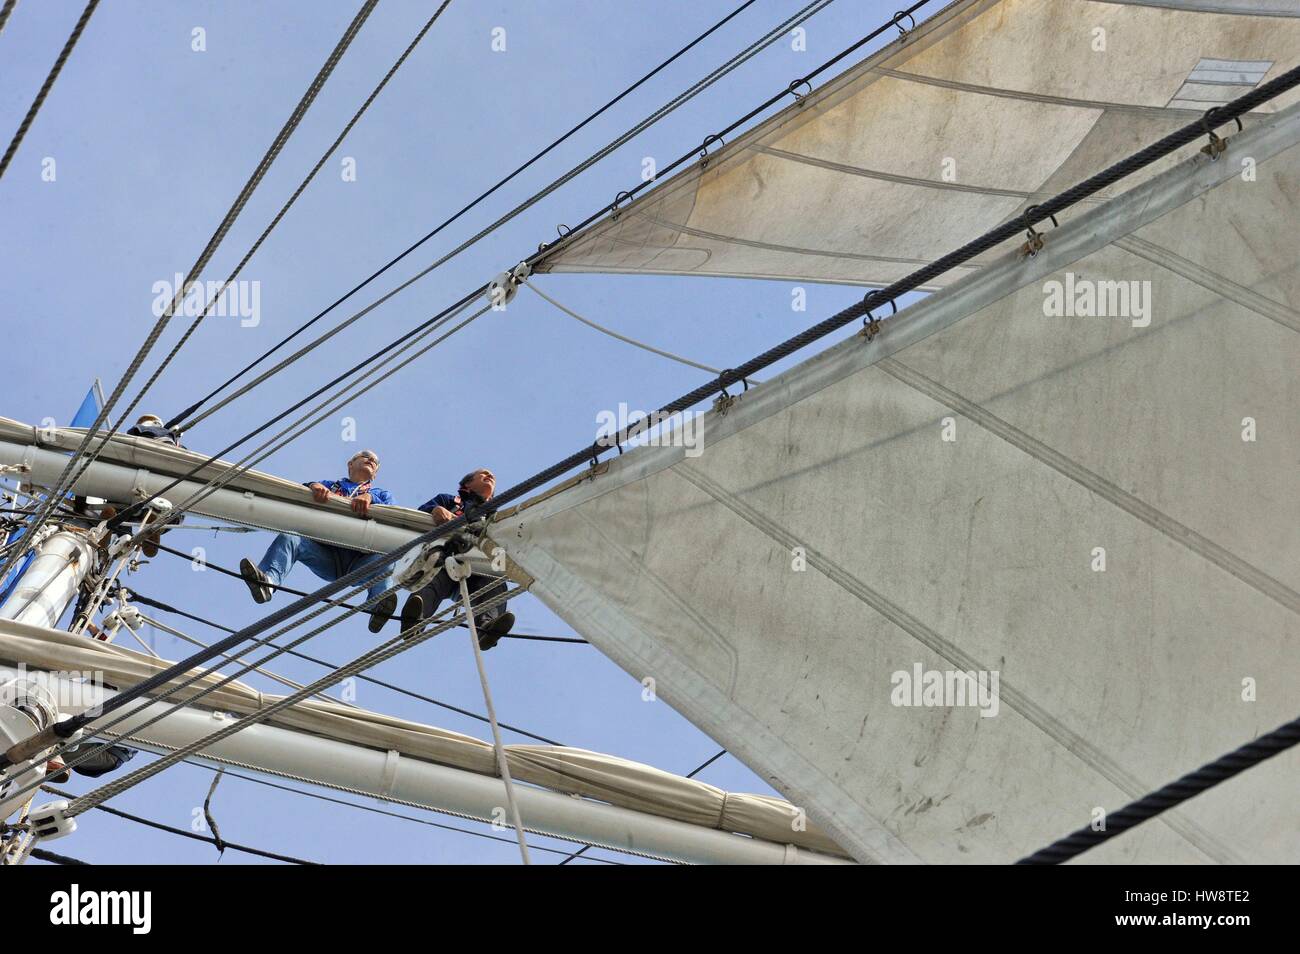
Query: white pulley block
[
  {"x": 417, "y": 568},
  {"x": 458, "y": 568},
  {"x": 502, "y": 290},
  {"x": 52, "y": 820}
]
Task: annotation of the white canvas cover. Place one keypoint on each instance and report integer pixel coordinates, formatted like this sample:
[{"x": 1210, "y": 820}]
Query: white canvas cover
[
  {"x": 981, "y": 111},
  {"x": 943, "y": 498}
]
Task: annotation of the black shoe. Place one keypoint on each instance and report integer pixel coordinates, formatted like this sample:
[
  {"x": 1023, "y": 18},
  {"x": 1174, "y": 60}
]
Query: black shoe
[
  {"x": 258, "y": 583},
  {"x": 412, "y": 613},
  {"x": 382, "y": 612},
  {"x": 490, "y": 635}
]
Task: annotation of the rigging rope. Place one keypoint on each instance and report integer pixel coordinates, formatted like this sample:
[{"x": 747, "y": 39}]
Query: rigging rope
[
  {"x": 365, "y": 661},
  {"x": 693, "y": 772},
  {"x": 305, "y": 182},
  {"x": 66, "y": 479},
  {"x": 503, "y": 767},
  {"x": 182, "y": 417},
  {"x": 1169, "y": 796},
  {"x": 322, "y": 412},
  {"x": 425, "y": 328},
  {"x": 614, "y": 334},
  {"x": 44, "y": 91},
  {"x": 4, "y": 13},
  {"x": 381, "y": 811},
  {"x": 364, "y": 678},
  {"x": 275, "y": 677},
  {"x": 180, "y": 670},
  {"x": 246, "y": 849},
  {"x": 55, "y": 859}
]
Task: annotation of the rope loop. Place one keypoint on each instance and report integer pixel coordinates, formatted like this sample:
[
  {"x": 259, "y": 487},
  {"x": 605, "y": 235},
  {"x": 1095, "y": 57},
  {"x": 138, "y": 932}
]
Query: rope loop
[
  {"x": 562, "y": 230},
  {"x": 898, "y": 22},
  {"x": 704, "y": 147},
  {"x": 793, "y": 90},
  {"x": 618, "y": 199},
  {"x": 871, "y": 326},
  {"x": 1216, "y": 144},
  {"x": 1034, "y": 241}
]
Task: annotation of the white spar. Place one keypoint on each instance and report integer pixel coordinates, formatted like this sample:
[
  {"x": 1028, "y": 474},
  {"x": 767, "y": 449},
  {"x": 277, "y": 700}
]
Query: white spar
[{"x": 401, "y": 778}]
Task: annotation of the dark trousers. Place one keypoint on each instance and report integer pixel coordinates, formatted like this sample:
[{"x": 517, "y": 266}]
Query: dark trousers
[{"x": 481, "y": 588}]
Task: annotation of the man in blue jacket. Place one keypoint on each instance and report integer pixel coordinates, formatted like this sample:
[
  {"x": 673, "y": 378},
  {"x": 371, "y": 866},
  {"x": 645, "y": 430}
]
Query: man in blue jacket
[
  {"x": 476, "y": 487},
  {"x": 327, "y": 561}
]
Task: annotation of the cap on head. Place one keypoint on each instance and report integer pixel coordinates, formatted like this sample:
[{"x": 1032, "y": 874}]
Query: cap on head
[{"x": 147, "y": 420}]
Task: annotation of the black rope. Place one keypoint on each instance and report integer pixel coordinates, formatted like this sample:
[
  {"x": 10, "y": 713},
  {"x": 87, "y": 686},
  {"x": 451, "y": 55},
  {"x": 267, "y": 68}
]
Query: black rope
[
  {"x": 42, "y": 855},
  {"x": 1170, "y": 796},
  {"x": 183, "y": 415},
  {"x": 1058, "y": 203},
  {"x": 195, "y": 836},
  {"x": 5, "y": 11}
]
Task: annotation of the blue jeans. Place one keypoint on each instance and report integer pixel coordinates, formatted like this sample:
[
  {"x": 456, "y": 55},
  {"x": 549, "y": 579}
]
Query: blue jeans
[{"x": 325, "y": 560}]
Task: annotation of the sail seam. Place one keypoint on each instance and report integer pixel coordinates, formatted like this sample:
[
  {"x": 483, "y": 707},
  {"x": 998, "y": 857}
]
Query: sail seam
[
  {"x": 1131, "y": 108},
  {"x": 1032, "y": 712},
  {"x": 905, "y": 180},
  {"x": 1203, "y": 6},
  {"x": 1221, "y": 286},
  {"x": 772, "y": 247},
  {"x": 1155, "y": 518}
]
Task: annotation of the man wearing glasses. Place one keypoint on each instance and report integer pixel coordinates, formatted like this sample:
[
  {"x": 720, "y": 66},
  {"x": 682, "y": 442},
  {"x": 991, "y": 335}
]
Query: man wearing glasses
[
  {"x": 327, "y": 561},
  {"x": 476, "y": 487}
]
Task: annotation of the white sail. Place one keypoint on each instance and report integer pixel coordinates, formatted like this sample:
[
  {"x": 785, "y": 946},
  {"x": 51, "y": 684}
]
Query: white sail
[
  {"x": 978, "y": 113},
  {"x": 1095, "y": 502}
]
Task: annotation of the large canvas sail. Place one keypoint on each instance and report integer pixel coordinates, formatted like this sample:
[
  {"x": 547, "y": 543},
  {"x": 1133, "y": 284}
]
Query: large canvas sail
[
  {"x": 1073, "y": 472},
  {"x": 937, "y": 138}
]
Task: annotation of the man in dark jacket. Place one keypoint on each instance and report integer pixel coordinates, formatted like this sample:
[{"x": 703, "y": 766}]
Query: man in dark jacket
[
  {"x": 327, "y": 561},
  {"x": 476, "y": 487},
  {"x": 151, "y": 426}
]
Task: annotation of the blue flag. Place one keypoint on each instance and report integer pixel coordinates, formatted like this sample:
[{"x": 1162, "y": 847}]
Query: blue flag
[{"x": 90, "y": 407}]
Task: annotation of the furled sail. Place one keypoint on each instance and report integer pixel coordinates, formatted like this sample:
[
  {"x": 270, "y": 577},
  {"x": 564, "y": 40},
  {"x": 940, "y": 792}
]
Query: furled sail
[
  {"x": 1072, "y": 475},
  {"x": 942, "y": 135},
  {"x": 569, "y": 770}
]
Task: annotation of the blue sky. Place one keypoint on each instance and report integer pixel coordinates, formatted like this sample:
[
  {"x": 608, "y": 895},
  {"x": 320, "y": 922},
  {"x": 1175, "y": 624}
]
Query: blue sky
[{"x": 153, "y": 140}]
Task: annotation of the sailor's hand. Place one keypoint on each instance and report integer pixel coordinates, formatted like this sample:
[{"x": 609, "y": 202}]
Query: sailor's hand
[
  {"x": 361, "y": 504},
  {"x": 441, "y": 515},
  {"x": 319, "y": 493}
]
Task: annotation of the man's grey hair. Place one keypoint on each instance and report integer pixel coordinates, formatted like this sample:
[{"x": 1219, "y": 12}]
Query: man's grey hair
[{"x": 365, "y": 453}]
